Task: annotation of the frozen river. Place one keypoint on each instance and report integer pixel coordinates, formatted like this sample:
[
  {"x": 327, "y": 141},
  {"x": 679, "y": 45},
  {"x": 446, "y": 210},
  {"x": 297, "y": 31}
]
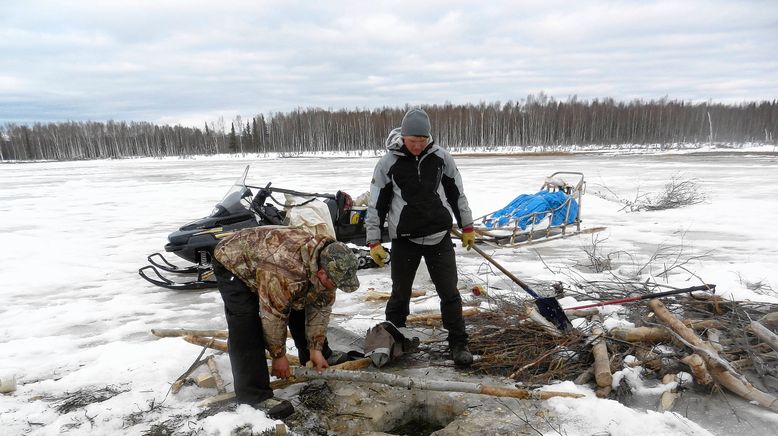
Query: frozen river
[{"x": 75, "y": 313}]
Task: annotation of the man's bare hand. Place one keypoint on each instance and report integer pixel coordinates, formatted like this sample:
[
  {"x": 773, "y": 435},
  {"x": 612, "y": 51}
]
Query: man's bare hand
[
  {"x": 280, "y": 367},
  {"x": 318, "y": 361}
]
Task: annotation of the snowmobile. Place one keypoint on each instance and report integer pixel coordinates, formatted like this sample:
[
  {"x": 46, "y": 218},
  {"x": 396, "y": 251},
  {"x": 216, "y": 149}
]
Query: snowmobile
[{"x": 245, "y": 206}]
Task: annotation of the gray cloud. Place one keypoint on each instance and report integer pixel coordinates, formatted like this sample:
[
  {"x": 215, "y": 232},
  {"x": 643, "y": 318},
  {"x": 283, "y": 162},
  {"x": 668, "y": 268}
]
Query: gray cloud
[{"x": 192, "y": 61}]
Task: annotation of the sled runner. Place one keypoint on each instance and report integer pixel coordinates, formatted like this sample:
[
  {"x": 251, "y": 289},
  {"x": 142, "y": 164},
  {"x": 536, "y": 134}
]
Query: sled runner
[{"x": 332, "y": 214}]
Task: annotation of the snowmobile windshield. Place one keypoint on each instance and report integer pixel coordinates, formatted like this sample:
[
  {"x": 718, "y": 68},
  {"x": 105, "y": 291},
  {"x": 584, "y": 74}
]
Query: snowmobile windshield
[{"x": 237, "y": 199}]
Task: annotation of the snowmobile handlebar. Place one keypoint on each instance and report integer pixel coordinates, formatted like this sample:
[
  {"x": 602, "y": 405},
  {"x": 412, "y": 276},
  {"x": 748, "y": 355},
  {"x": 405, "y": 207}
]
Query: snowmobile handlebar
[{"x": 267, "y": 188}]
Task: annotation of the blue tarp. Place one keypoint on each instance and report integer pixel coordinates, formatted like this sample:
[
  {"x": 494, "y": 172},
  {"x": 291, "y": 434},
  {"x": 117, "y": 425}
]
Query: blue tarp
[{"x": 523, "y": 206}]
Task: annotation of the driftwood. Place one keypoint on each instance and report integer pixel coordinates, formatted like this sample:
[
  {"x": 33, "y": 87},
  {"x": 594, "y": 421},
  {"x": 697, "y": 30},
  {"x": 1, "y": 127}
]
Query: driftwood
[
  {"x": 215, "y": 374},
  {"x": 703, "y": 324},
  {"x": 764, "y": 334},
  {"x": 373, "y": 295},
  {"x": 641, "y": 334},
  {"x": 434, "y": 318},
  {"x": 721, "y": 371},
  {"x": 699, "y": 370},
  {"x": 668, "y": 397},
  {"x": 602, "y": 370},
  {"x": 533, "y": 314},
  {"x": 582, "y": 313},
  {"x": 207, "y": 342},
  {"x": 171, "y": 333},
  {"x": 428, "y": 384}
]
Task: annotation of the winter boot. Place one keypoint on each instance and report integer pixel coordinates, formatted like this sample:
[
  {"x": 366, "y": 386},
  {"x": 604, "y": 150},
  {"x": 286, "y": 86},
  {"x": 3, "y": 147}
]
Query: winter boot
[
  {"x": 275, "y": 408},
  {"x": 461, "y": 355}
]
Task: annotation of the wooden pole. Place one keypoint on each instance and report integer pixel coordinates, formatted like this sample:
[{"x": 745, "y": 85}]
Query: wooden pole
[
  {"x": 171, "y": 333},
  {"x": 429, "y": 384}
]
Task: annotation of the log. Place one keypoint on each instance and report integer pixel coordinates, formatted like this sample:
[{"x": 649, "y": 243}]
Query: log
[
  {"x": 351, "y": 365},
  {"x": 764, "y": 334},
  {"x": 537, "y": 318},
  {"x": 641, "y": 334},
  {"x": 217, "y": 378},
  {"x": 602, "y": 369},
  {"x": 429, "y": 384},
  {"x": 698, "y": 368},
  {"x": 582, "y": 313},
  {"x": 770, "y": 319},
  {"x": 171, "y": 333},
  {"x": 373, "y": 295},
  {"x": 222, "y": 346},
  {"x": 703, "y": 324},
  {"x": 668, "y": 397},
  {"x": 434, "y": 318},
  {"x": 721, "y": 371},
  {"x": 205, "y": 381},
  {"x": 281, "y": 384},
  {"x": 207, "y": 342}
]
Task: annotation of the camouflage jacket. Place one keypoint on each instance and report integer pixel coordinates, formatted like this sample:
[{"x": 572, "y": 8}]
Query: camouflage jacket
[{"x": 280, "y": 265}]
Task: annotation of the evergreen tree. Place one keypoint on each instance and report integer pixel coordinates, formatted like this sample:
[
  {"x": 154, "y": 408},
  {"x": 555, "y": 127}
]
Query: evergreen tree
[
  {"x": 254, "y": 135},
  {"x": 249, "y": 142},
  {"x": 233, "y": 140}
]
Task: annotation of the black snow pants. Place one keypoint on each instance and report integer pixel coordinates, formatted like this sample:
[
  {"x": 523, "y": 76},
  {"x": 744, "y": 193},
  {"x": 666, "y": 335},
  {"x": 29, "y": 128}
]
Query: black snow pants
[
  {"x": 246, "y": 340},
  {"x": 442, "y": 267}
]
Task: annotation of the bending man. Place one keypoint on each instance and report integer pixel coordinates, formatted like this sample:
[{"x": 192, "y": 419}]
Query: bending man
[{"x": 278, "y": 274}]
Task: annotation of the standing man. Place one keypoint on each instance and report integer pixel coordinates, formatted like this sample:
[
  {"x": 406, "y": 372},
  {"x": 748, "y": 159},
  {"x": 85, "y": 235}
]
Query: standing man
[
  {"x": 416, "y": 187},
  {"x": 279, "y": 274}
]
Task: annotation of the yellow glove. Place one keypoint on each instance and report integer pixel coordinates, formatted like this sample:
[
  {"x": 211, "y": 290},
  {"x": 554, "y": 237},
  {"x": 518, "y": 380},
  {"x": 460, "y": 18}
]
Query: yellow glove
[
  {"x": 377, "y": 252},
  {"x": 468, "y": 237}
]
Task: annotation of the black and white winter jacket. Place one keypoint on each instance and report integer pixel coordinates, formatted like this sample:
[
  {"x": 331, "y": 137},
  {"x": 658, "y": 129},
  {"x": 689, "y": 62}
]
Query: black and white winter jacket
[{"x": 416, "y": 195}]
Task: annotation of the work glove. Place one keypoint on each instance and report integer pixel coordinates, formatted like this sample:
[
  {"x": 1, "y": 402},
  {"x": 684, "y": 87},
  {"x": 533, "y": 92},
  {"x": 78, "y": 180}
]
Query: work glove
[
  {"x": 377, "y": 252},
  {"x": 468, "y": 237}
]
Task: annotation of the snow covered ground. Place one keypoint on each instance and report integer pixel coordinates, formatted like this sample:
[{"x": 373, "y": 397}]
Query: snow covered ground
[{"x": 74, "y": 314}]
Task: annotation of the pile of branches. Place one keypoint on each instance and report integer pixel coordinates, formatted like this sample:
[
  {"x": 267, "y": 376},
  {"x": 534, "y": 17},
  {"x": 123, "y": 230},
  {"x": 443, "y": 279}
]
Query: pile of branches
[
  {"x": 721, "y": 343},
  {"x": 511, "y": 345}
]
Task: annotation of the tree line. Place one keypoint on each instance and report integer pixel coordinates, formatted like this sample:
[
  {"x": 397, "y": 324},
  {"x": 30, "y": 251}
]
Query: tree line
[{"x": 535, "y": 121}]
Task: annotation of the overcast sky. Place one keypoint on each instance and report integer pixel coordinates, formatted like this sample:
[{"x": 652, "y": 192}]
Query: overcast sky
[{"x": 191, "y": 61}]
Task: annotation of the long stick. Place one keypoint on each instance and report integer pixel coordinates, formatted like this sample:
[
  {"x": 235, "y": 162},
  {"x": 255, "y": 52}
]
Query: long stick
[
  {"x": 170, "y": 333},
  {"x": 428, "y": 384},
  {"x": 646, "y": 297}
]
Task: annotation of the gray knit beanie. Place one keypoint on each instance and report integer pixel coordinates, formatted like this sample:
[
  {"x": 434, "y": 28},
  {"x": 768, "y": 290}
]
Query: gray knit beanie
[{"x": 416, "y": 123}]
